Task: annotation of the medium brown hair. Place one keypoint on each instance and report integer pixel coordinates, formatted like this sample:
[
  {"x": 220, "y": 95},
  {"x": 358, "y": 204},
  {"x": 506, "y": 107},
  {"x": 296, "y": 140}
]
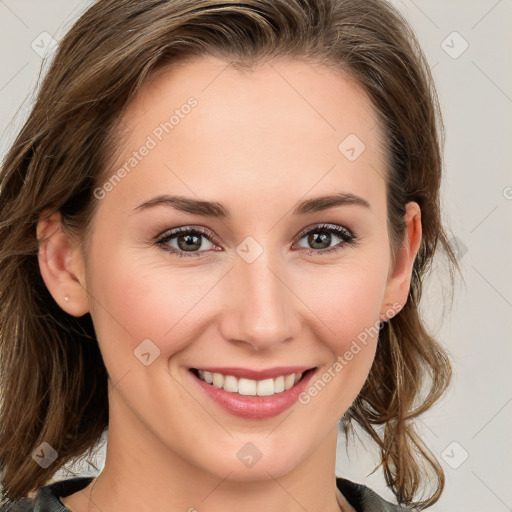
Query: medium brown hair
[{"x": 53, "y": 381}]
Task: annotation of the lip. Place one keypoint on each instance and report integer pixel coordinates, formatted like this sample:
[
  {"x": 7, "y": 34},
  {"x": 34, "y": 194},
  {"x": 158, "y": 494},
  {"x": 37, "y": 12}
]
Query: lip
[
  {"x": 254, "y": 407},
  {"x": 246, "y": 373}
]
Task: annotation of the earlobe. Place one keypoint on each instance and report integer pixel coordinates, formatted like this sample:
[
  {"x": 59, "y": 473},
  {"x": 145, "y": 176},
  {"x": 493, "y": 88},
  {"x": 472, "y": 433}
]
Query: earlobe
[
  {"x": 61, "y": 265},
  {"x": 399, "y": 281}
]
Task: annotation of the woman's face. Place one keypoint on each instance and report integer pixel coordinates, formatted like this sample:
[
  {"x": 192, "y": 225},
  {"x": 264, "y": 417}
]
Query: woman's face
[{"x": 268, "y": 283}]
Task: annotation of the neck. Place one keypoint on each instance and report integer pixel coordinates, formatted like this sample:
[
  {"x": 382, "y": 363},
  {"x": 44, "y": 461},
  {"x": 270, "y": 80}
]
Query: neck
[{"x": 142, "y": 473}]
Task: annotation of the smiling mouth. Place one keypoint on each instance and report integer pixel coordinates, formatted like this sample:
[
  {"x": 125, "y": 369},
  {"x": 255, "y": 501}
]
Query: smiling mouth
[{"x": 250, "y": 387}]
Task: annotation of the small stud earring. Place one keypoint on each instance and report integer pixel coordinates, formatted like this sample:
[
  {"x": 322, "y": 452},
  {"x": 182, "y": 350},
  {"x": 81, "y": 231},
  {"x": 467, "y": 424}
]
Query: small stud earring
[{"x": 66, "y": 298}]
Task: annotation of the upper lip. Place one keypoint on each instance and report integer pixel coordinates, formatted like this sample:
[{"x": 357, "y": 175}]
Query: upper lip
[{"x": 247, "y": 373}]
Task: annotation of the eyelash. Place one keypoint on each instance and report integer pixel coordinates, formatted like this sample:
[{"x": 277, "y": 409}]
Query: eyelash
[{"x": 342, "y": 232}]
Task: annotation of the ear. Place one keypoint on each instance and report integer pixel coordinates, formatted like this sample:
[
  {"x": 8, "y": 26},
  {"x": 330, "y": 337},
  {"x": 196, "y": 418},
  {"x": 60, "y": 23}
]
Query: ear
[
  {"x": 61, "y": 265},
  {"x": 400, "y": 275}
]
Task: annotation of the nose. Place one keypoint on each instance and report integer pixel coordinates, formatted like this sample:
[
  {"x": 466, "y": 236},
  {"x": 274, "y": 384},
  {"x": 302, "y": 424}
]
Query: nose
[{"x": 261, "y": 307}]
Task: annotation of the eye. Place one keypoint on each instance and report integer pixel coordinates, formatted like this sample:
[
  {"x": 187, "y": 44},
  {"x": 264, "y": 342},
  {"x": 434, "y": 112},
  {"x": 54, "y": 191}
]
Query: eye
[
  {"x": 321, "y": 236},
  {"x": 188, "y": 241}
]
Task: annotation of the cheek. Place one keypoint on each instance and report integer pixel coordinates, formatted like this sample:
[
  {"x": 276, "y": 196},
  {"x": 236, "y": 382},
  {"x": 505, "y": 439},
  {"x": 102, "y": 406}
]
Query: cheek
[
  {"x": 136, "y": 301},
  {"x": 345, "y": 300}
]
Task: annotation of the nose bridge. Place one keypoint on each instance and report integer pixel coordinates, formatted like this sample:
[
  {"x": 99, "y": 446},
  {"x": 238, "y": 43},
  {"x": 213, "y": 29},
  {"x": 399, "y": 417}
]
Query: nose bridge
[{"x": 261, "y": 311}]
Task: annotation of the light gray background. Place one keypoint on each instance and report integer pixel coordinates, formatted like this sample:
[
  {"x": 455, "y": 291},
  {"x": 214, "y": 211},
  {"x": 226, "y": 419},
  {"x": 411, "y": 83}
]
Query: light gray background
[{"x": 474, "y": 419}]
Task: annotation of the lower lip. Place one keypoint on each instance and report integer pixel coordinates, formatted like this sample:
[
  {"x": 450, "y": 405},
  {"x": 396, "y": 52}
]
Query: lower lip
[{"x": 255, "y": 407}]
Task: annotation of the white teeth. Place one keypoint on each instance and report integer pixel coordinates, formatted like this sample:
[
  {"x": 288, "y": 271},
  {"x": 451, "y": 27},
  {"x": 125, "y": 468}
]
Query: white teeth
[
  {"x": 265, "y": 387},
  {"x": 230, "y": 384},
  {"x": 279, "y": 385},
  {"x": 289, "y": 381},
  {"x": 249, "y": 387},
  {"x": 218, "y": 380}
]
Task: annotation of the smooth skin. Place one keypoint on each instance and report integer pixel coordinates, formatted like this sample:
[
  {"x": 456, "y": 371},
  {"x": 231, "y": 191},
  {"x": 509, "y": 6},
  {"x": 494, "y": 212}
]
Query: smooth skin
[{"x": 258, "y": 143}]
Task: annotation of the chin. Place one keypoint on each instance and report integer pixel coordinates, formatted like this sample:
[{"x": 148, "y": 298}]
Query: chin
[{"x": 251, "y": 464}]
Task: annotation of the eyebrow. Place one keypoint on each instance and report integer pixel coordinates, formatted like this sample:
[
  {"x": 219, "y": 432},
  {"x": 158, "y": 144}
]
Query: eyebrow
[{"x": 215, "y": 209}]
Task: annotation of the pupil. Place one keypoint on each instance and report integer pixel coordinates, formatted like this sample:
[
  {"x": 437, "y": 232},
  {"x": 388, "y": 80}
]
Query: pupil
[
  {"x": 316, "y": 238},
  {"x": 190, "y": 241}
]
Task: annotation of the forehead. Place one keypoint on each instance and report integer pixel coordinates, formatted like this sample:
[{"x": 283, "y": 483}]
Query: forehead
[
  {"x": 328, "y": 100},
  {"x": 282, "y": 128}
]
